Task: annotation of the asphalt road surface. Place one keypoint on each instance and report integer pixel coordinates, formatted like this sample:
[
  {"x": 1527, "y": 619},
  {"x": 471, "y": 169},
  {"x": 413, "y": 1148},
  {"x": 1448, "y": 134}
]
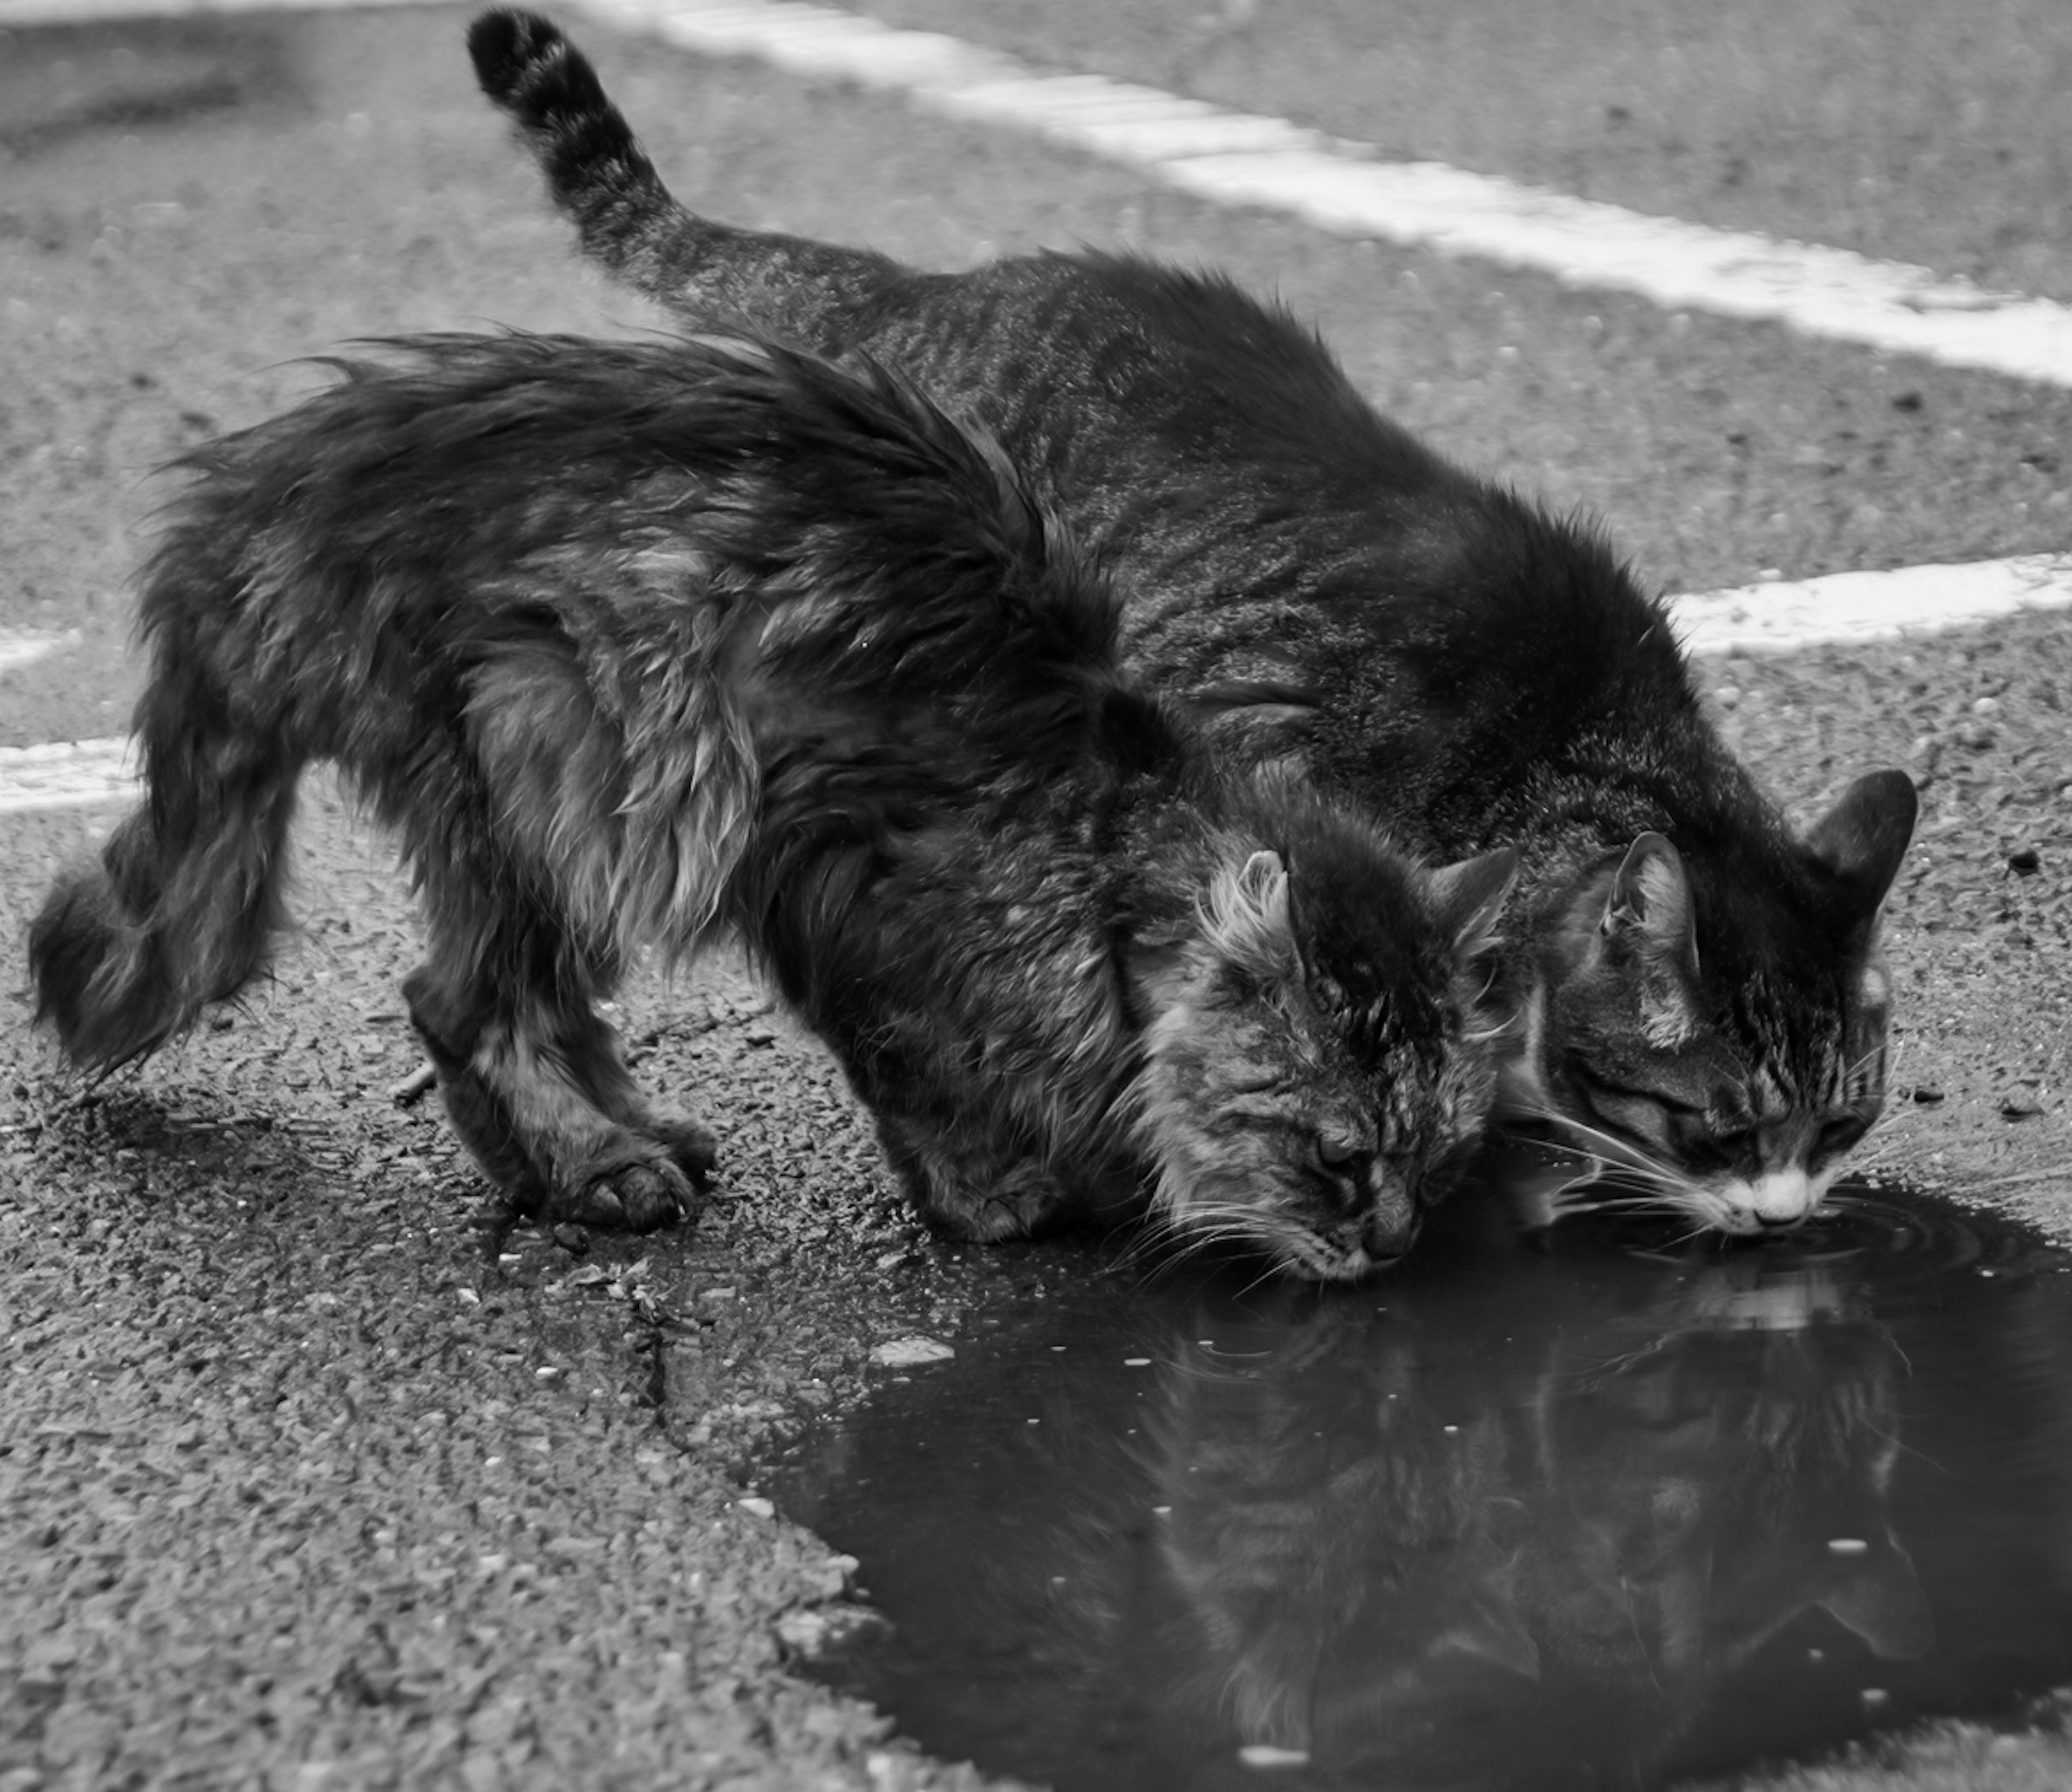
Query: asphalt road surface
[{"x": 315, "y": 1473}]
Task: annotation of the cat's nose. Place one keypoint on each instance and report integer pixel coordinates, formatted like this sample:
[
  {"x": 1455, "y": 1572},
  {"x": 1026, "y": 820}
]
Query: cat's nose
[{"x": 1387, "y": 1234}]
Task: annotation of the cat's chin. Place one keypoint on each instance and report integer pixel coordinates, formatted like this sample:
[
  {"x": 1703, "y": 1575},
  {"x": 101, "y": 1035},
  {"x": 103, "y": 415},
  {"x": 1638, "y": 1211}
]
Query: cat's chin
[
  {"x": 1336, "y": 1252},
  {"x": 1545, "y": 1180},
  {"x": 1315, "y": 1259},
  {"x": 1776, "y": 1201}
]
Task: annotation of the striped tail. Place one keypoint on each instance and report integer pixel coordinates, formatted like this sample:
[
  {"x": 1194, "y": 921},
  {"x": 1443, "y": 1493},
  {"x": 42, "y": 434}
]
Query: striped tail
[{"x": 597, "y": 172}]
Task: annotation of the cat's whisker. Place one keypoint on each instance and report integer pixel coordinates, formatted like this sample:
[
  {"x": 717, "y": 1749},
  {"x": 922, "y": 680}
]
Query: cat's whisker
[
  {"x": 1619, "y": 1162},
  {"x": 1266, "y": 1273}
]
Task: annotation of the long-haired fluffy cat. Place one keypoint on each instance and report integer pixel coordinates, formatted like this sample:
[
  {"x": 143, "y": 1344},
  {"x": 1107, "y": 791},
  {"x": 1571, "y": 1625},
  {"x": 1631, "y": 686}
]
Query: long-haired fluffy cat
[
  {"x": 1695, "y": 996},
  {"x": 632, "y": 644}
]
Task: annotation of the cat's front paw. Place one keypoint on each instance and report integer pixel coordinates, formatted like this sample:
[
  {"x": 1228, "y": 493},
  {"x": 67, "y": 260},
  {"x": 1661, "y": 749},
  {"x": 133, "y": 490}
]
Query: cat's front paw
[
  {"x": 1026, "y": 1203},
  {"x": 691, "y": 1147},
  {"x": 636, "y": 1193}
]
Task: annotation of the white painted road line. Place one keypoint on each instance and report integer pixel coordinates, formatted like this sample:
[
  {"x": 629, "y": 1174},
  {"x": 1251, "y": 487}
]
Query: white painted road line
[
  {"x": 1844, "y": 607},
  {"x": 1241, "y": 158},
  {"x": 17, "y": 651},
  {"x": 19, "y": 14},
  {"x": 66, "y": 774}
]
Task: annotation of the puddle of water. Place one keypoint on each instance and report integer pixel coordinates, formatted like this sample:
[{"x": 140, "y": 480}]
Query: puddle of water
[{"x": 1603, "y": 1510}]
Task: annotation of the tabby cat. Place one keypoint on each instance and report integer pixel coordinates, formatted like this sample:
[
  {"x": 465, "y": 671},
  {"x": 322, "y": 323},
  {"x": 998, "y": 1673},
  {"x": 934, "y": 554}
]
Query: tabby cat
[
  {"x": 1695, "y": 998},
  {"x": 633, "y": 643}
]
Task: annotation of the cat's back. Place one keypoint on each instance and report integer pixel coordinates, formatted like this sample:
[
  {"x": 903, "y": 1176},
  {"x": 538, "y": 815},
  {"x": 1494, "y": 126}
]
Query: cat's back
[
  {"x": 1094, "y": 365},
  {"x": 1287, "y": 557}
]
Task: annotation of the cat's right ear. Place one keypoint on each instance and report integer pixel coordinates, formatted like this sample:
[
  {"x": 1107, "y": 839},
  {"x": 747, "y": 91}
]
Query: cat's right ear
[
  {"x": 1468, "y": 899},
  {"x": 1864, "y": 837}
]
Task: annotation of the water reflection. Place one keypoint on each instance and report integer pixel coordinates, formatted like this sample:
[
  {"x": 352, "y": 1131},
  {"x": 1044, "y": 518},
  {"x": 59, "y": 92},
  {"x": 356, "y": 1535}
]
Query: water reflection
[{"x": 1577, "y": 1514}]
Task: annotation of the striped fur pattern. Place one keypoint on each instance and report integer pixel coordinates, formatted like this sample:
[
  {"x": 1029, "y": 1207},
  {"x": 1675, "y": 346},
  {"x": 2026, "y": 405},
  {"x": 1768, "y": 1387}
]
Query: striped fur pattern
[
  {"x": 1469, "y": 670},
  {"x": 633, "y": 645}
]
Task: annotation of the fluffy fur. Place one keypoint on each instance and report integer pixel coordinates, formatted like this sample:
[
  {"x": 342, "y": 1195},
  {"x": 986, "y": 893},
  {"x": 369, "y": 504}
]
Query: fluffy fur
[
  {"x": 632, "y": 644},
  {"x": 1696, "y": 998}
]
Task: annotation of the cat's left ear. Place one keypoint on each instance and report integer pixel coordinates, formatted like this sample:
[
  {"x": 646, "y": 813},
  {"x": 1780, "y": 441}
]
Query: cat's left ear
[
  {"x": 1468, "y": 899},
  {"x": 1864, "y": 837},
  {"x": 1647, "y": 911}
]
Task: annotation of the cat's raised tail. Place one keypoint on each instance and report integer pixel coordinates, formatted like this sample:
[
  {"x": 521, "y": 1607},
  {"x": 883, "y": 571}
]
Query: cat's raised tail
[{"x": 596, "y": 170}]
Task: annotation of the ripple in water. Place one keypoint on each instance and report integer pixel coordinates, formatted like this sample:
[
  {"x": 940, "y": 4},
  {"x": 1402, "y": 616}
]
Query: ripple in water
[{"x": 1608, "y": 1508}]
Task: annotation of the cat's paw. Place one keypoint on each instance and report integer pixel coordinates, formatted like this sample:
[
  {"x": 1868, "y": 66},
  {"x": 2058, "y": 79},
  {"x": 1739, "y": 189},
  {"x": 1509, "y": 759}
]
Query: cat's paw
[
  {"x": 691, "y": 1147},
  {"x": 628, "y": 1193},
  {"x": 1025, "y": 1203}
]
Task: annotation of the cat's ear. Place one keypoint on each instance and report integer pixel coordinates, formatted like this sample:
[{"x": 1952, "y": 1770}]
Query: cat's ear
[
  {"x": 1648, "y": 912},
  {"x": 1247, "y": 920},
  {"x": 1468, "y": 899},
  {"x": 1864, "y": 837}
]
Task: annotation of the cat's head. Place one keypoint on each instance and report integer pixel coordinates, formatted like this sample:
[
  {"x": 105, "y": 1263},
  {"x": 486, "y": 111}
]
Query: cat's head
[
  {"x": 1711, "y": 1033},
  {"x": 1316, "y": 1069}
]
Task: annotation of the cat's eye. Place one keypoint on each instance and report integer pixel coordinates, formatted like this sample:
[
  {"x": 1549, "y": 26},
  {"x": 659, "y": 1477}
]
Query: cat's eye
[{"x": 1719, "y": 1150}]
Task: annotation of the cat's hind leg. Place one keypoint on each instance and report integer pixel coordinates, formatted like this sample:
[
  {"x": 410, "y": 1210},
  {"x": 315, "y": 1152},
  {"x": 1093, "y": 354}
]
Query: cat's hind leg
[{"x": 531, "y": 1072}]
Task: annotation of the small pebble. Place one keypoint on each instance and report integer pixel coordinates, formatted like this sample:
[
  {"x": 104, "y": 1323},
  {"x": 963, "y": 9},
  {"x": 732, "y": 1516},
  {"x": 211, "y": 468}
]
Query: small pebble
[
  {"x": 756, "y": 1507},
  {"x": 2020, "y": 1105},
  {"x": 572, "y": 1238},
  {"x": 906, "y": 1353},
  {"x": 1926, "y": 1094}
]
